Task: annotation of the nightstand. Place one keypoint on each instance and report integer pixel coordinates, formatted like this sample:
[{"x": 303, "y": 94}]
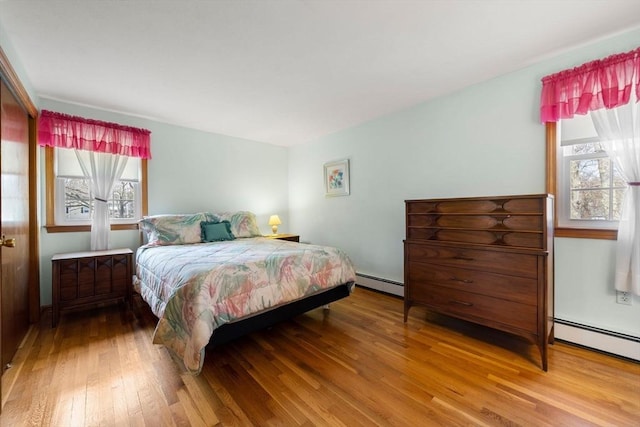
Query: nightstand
[
  {"x": 284, "y": 236},
  {"x": 86, "y": 278}
]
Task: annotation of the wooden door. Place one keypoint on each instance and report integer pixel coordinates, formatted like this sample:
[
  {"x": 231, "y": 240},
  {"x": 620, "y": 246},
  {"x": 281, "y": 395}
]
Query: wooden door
[{"x": 14, "y": 211}]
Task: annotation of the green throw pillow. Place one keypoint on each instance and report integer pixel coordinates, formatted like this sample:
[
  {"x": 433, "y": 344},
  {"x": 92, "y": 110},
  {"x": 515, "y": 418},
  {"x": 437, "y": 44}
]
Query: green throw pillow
[{"x": 216, "y": 231}]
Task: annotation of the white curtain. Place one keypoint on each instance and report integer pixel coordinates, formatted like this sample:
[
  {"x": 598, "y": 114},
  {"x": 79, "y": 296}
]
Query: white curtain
[
  {"x": 102, "y": 170},
  {"x": 619, "y": 131}
]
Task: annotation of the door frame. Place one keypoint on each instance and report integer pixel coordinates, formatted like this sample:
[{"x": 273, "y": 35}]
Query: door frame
[{"x": 8, "y": 74}]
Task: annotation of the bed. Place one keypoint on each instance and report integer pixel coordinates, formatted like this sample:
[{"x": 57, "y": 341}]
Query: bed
[{"x": 211, "y": 277}]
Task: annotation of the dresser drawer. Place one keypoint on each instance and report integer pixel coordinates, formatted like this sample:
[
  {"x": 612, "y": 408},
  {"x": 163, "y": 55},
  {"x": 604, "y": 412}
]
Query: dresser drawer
[
  {"x": 512, "y": 288},
  {"x": 496, "y": 221},
  {"x": 493, "y": 237},
  {"x": 514, "y": 264},
  {"x": 484, "y": 237},
  {"x": 486, "y": 205},
  {"x": 472, "y": 306}
]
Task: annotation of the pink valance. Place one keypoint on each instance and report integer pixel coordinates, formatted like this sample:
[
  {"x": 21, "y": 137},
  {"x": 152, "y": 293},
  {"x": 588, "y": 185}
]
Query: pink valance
[
  {"x": 65, "y": 131},
  {"x": 604, "y": 83}
]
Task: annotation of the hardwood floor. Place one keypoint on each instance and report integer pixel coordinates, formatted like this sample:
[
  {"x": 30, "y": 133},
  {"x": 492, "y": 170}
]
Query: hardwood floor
[{"x": 356, "y": 364}]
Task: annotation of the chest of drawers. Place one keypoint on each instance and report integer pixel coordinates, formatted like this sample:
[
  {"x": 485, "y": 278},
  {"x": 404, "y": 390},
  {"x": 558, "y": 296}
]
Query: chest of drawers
[
  {"x": 487, "y": 260},
  {"x": 87, "y": 278}
]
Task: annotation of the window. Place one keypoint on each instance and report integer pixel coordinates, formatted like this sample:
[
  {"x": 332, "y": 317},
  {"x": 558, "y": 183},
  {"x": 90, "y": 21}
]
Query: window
[
  {"x": 70, "y": 204},
  {"x": 589, "y": 186},
  {"x": 592, "y": 187},
  {"x": 74, "y": 201},
  {"x": 607, "y": 89},
  {"x": 76, "y": 205}
]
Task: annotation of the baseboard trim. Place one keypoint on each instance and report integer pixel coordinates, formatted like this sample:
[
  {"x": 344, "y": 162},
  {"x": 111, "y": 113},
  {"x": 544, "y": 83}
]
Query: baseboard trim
[
  {"x": 383, "y": 285},
  {"x": 623, "y": 345}
]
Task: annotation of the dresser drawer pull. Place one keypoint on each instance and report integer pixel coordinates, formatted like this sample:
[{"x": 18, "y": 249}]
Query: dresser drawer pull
[
  {"x": 455, "y": 279},
  {"x": 466, "y": 304},
  {"x": 463, "y": 258}
]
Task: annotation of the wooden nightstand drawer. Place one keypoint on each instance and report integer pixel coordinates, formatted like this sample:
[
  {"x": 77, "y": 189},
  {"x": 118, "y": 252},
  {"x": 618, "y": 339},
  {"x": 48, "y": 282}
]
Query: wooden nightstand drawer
[
  {"x": 283, "y": 236},
  {"x": 87, "y": 278}
]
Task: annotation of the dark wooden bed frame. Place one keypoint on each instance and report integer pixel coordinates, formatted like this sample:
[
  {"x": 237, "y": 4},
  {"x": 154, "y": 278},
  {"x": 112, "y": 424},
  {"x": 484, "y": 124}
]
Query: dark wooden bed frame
[{"x": 234, "y": 330}]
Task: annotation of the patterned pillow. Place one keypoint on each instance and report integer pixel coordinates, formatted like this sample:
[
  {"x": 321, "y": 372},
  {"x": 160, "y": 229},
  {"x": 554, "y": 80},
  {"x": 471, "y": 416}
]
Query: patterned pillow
[
  {"x": 173, "y": 229},
  {"x": 243, "y": 223}
]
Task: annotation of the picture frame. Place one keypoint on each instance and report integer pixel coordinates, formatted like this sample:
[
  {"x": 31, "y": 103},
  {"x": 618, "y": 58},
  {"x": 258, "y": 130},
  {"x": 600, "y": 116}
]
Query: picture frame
[{"x": 336, "y": 178}]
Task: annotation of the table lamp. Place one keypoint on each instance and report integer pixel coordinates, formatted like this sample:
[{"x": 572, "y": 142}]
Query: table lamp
[{"x": 274, "y": 222}]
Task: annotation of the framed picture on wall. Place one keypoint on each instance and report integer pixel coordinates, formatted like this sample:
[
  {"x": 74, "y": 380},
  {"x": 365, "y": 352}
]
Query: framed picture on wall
[{"x": 336, "y": 178}]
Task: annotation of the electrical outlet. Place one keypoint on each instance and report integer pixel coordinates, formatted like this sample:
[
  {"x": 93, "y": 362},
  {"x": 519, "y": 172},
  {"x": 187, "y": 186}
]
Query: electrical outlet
[{"x": 623, "y": 297}]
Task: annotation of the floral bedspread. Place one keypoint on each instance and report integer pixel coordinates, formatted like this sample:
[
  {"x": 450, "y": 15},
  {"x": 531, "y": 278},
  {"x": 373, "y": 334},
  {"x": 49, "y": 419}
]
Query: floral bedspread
[{"x": 193, "y": 289}]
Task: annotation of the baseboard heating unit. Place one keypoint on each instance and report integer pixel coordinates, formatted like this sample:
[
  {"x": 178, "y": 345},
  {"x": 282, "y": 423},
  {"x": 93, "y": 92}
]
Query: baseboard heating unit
[
  {"x": 599, "y": 339},
  {"x": 382, "y": 285}
]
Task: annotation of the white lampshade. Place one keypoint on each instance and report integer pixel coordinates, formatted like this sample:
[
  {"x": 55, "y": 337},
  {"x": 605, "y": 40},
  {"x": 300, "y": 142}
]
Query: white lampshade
[{"x": 274, "y": 222}]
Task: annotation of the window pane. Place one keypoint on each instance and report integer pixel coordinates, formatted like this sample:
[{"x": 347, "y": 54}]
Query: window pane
[
  {"x": 590, "y": 148},
  {"x": 77, "y": 200},
  {"x": 618, "y": 180},
  {"x": 589, "y": 173},
  {"x": 590, "y": 204},
  {"x": 121, "y": 204},
  {"x": 618, "y": 196}
]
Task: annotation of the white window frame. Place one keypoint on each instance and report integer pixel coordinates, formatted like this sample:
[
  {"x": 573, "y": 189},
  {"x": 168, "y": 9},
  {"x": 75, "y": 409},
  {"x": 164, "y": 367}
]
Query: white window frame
[
  {"x": 563, "y": 196},
  {"x": 59, "y": 199}
]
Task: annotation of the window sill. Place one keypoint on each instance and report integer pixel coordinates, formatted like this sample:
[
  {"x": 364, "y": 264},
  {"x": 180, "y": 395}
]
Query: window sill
[
  {"x": 87, "y": 228},
  {"x": 588, "y": 233}
]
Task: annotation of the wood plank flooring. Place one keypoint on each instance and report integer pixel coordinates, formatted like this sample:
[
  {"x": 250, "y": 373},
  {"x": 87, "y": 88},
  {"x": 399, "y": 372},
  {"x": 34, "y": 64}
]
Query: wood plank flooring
[{"x": 357, "y": 364}]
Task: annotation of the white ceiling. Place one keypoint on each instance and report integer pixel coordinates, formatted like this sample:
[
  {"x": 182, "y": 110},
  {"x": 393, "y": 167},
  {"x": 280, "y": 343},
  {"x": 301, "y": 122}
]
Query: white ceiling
[{"x": 288, "y": 71}]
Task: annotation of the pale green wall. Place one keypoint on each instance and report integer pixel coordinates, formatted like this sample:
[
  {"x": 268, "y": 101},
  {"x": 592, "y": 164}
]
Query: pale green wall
[
  {"x": 191, "y": 171},
  {"x": 482, "y": 141},
  {"x": 584, "y": 287}
]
